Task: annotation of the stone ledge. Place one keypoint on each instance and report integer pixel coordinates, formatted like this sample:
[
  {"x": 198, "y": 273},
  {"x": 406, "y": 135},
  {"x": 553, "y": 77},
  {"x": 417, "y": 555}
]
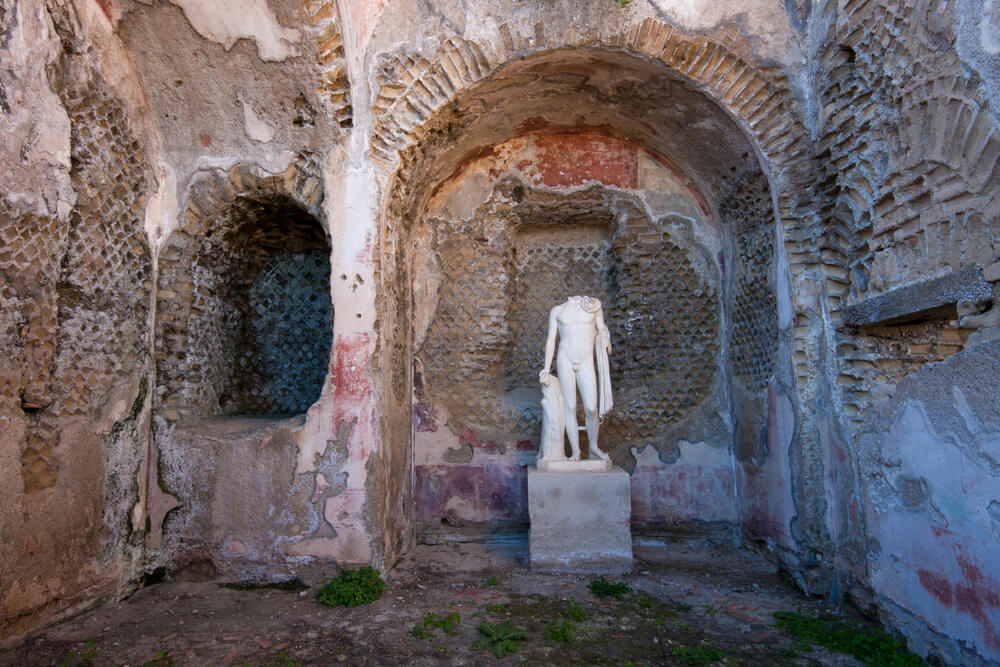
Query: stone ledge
[{"x": 934, "y": 299}]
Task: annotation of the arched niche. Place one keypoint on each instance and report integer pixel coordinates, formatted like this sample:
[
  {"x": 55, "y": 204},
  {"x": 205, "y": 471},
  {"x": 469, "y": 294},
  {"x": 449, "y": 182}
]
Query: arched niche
[
  {"x": 674, "y": 214},
  {"x": 244, "y": 324}
]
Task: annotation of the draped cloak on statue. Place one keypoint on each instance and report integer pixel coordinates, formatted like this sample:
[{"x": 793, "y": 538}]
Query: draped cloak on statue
[{"x": 602, "y": 346}]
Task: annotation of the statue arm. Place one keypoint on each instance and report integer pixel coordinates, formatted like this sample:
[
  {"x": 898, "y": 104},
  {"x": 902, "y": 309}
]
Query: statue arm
[
  {"x": 550, "y": 342},
  {"x": 603, "y": 335}
]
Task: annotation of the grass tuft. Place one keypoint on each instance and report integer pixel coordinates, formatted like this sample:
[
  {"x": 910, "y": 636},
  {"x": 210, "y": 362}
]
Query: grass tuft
[
  {"x": 869, "y": 645},
  {"x": 447, "y": 623},
  {"x": 353, "y": 588},
  {"x": 603, "y": 588},
  {"x": 501, "y": 639}
]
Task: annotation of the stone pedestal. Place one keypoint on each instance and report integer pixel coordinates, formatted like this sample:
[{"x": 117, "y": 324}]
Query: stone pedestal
[{"x": 580, "y": 521}]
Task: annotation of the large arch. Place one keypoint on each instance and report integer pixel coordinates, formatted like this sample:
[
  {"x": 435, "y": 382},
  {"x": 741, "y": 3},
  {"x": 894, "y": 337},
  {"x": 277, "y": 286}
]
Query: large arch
[{"x": 722, "y": 129}]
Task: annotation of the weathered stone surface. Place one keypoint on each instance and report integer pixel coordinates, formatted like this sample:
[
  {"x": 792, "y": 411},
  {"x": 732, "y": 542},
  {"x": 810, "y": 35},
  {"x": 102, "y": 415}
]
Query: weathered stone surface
[
  {"x": 926, "y": 300},
  {"x": 738, "y": 181},
  {"x": 580, "y": 521}
]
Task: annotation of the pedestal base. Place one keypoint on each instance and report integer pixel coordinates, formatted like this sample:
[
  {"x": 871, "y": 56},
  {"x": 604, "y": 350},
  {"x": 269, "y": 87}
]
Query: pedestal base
[
  {"x": 586, "y": 465},
  {"x": 580, "y": 521}
]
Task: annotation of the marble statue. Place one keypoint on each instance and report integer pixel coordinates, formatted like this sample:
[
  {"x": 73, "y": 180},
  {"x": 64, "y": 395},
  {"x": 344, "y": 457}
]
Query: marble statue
[
  {"x": 583, "y": 336},
  {"x": 553, "y": 420}
]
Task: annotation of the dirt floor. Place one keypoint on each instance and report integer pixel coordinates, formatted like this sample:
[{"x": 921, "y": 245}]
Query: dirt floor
[{"x": 688, "y": 604}]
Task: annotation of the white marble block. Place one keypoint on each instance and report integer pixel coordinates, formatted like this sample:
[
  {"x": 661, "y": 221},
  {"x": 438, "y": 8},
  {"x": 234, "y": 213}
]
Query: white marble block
[{"x": 580, "y": 521}]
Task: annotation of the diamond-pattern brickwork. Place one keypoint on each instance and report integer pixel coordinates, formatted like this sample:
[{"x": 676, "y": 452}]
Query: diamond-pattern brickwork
[
  {"x": 75, "y": 294},
  {"x": 754, "y": 336},
  {"x": 504, "y": 270},
  {"x": 282, "y": 367},
  {"x": 546, "y": 274},
  {"x": 244, "y": 321}
]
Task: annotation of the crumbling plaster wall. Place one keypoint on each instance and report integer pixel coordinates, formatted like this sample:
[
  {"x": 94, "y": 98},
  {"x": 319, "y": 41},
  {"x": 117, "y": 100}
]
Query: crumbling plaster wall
[
  {"x": 252, "y": 111},
  {"x": 874, "y": 126},
  {"x": 508, "y": 237},
  {"x": 76, "y": 272},
  {"x": 908, "y": 127}
]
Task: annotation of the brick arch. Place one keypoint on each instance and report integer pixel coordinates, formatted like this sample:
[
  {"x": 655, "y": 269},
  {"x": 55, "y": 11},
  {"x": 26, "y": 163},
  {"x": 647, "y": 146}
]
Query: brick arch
[
  {"x": 181, "y": 296},
  {"x": 760, "y": 98},
  {"x": 412, "y": 122},
  {"x": 332, "y": 84}
]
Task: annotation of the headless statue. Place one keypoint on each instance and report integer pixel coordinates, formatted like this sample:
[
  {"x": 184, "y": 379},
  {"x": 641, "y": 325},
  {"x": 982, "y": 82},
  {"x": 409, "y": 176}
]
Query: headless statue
[{"x": 579, "y": 322}]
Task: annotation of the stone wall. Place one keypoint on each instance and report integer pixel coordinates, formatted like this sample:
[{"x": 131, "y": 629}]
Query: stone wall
[
  {"x": 909, "y": 131},
  {"x": 243, "y": 315},
  {"x": 75, "y": 285},
  {"x": 788, "y": 209},
  {"x": 612, "y": 224}
]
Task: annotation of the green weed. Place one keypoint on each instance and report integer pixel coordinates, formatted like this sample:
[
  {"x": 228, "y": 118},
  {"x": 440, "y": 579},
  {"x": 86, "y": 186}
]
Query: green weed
[
  {"x": 492, "y": 582},
  {"x": 870, "y": 645},
  {"x": 160, "y": 659},
  {"x": 697, "y": 655},
  {"x": 603, "y": 588},
  {"x": 560, "y": 630},
  {"x": 501, "y": 639},
  {"x": 646, "y": 601},
  {"x": 353, "y": 588},
  {"x": 85, "y": 657},
  {"x": 448, "y": 623},
  {"x": 575, "y": 611},
  {"x": 496, "y": 608}
]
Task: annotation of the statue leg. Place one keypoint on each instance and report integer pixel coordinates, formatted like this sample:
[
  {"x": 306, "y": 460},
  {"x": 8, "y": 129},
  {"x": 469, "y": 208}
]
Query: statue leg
[
  {"x": 588, "y": 390},
  {"x": 565, "y": 368}
]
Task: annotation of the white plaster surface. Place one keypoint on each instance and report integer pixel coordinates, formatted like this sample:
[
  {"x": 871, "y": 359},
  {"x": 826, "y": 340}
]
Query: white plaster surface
[
  {"x": 228, "y": 21},
  {"x": 37, "y": 127},
  {"x": 990, "y": 27},
  {"x": 256, "y": 127},
  {"x": 161, "y": 212},
  {"x": 933, "y": 552},
  {"x": 703, "y": 453}
]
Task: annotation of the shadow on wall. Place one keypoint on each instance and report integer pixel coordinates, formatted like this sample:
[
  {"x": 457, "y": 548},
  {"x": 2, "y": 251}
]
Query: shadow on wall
[{"x": 246, "y": 319}]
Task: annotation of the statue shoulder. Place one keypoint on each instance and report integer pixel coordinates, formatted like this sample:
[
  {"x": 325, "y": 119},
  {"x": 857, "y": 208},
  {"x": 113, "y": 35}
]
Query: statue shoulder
[{"x": 590, "y": 304}]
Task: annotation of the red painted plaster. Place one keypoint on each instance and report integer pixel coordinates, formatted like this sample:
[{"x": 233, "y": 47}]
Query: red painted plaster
[
  {"x": 469, "y": 438},
  {"x": 937, "y": 586},
  {"x": 424, "y": 413},
  {"x": 350, "y": 366},
  {"x": 972, "y": 595},
  {"x": 106, "y": 9},
  {"x": 499, "y": 490},
  {"x": 567, "y": 160},
  {"x": 569, "y": 156}
]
